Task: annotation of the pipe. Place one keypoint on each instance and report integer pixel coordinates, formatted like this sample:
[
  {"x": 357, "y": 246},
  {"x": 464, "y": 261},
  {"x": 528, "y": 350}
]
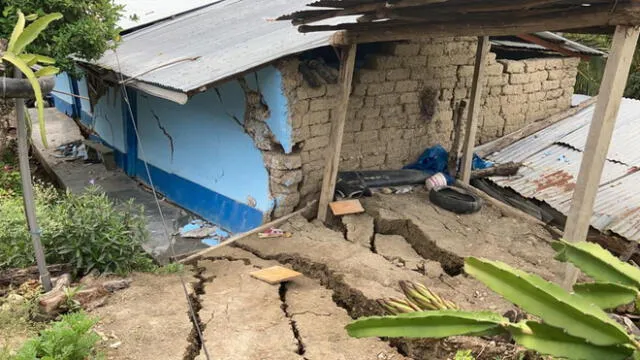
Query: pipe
[{"x": 21, "y": 88}]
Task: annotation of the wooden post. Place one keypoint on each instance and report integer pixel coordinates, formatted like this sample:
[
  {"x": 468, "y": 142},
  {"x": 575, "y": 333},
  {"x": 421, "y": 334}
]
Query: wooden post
[
  {"x": 597, "y": 146},
  {"x": 474, "y": 108},
  {"x": 347, "y": 65}
]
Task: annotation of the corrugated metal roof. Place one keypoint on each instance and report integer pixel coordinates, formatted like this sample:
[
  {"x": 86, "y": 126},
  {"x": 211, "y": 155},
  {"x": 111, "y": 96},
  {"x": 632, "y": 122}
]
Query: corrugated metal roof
[
  {"x": 513, "y": 42},
  {"x": 211, "y": 44},
  {"x": 552, "y": 160},
  {"x": 568, "y": 44},
  {"x": 142, "y": 12}
]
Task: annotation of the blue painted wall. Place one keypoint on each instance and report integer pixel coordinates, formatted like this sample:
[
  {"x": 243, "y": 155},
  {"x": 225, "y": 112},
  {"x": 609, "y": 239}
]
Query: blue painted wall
[
  {"x": 64, "y": 103},
  {"x": 85, "y": 105},
  {"x": 268, "y": 81},
  {"x": 108, "y": 122},
  {"x": 199, "y": 154}
]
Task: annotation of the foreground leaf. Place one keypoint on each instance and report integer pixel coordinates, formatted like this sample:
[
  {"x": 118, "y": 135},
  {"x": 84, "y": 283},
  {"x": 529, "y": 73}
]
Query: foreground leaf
[
  {"x": 430, "y": 324},
  {"x": 597, "y": 263},
  {"x": 17, "y": 31},
  {"x": 548, "y": 301},
  {"x": 32, "y": 31},
  {"x": 47, "y": 71},
  {"x": 549, "y": 340},
  {"x": 37, "y": 91},
  {"x": 606, "y": 295}
]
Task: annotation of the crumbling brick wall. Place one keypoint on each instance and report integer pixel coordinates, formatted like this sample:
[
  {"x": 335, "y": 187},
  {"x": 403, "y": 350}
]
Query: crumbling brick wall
[{"x": 403, "y": 98}]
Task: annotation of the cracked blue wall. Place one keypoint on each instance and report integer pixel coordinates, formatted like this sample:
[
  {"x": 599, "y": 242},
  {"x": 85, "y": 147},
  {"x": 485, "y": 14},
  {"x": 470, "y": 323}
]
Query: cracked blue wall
[
  {"x": 268, "y": 81},
  {"x": 107, "y": 120}
]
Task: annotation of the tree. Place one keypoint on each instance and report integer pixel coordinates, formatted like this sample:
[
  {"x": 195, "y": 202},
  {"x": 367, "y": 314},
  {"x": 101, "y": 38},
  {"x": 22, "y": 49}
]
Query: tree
[{"x": 88, "y": 28}]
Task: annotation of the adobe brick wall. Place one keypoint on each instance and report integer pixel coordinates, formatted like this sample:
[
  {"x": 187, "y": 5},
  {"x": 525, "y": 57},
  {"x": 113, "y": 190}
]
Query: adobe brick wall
[{"x": 403, "y": 99}]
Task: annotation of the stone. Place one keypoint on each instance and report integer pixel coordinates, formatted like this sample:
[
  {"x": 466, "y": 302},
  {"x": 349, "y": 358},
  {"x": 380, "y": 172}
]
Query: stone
[
  {"x": 367, "y": 76},
  {"x": 406, "y": 49},
  {"x": 512, "y": 89},
  {"x": 533, "y": 65},
  {"x": 519, "y": 78},
  {"x": 532, "y": 87},
  {"x": 553, "y": 64},
  {"x": 550, "y": 84},
  {"x": 307, "y": 92},
  {"x": 406, "y": 86},
  {"x": 398, "y": 74},
  {"x": 316, "y": 142},
  {"x": 512, "y": 66},
  {"x": 380, "y": 88}
]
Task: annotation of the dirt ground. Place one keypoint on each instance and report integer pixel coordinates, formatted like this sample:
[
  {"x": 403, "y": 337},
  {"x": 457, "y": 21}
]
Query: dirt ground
[{"x": 400, "y": 237}]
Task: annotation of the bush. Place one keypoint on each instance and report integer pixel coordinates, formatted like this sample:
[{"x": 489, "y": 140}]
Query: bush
[
  {"x": 89, "y": 231},
  {"x": 86, "y": 31},
  {"x": 71, "y": 338}
]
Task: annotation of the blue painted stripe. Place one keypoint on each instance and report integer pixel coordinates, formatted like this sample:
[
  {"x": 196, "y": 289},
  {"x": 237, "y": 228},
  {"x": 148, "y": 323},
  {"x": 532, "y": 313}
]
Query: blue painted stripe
[
  {"x": 217, "y": 208},
  {"x": 63, "y": 106},
  {"x": 131, "y": 140}
]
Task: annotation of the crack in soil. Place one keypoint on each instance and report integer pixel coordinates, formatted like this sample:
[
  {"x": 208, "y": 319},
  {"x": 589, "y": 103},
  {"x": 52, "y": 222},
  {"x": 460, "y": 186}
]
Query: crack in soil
[
  {"x": 245, "y": 261},
  {"x": 282, "y": 291},
  {"x": 352, "y": 300},
  {"x": 195, "y": 343},
  {"x": 451, "y": 263}
]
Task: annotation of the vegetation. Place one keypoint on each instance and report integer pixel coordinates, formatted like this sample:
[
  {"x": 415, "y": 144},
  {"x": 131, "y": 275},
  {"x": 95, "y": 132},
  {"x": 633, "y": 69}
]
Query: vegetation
[
  {"x": 89, "y": 27},
  {"x": 89, "y": 231},
  {"x": 572, "y": 325},
  {"x": 590, "y": 72},
  {"x": 70, "y": 338}
]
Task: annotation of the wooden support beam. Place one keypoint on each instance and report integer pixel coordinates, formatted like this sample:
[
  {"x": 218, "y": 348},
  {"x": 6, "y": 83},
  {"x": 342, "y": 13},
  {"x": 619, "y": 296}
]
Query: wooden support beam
[
  {"x": 597, "y": 146},
  {"x": 474, "y": 108},
  {"x": 347, "y": 65}
]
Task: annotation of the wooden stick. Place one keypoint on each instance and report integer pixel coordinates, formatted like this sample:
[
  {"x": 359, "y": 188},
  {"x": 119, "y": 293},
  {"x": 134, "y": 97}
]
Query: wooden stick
[
  {"x": 458, "y": 127},
  {"x": 244, "y": 235},
  {"x": 600, "y": 133},
  {"x": 531, "y": 129},
  {"x": 474, "y": 109},
  {"x": 332, "y": 157},
  {"x": 552, "y": 46},
  {"x": 506, "y": 169}
]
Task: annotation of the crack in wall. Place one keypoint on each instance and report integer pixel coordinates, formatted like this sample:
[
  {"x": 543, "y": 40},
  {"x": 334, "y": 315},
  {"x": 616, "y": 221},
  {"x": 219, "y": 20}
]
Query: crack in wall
[
  {"x": 282, "y": 291},
  {"x": 164, "y": 130},
  {"x": 195, "y": 343}
]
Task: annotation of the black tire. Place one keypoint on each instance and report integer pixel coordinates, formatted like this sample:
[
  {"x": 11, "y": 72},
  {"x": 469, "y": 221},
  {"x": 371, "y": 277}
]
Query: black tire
[{"x": 455, "y": 200}]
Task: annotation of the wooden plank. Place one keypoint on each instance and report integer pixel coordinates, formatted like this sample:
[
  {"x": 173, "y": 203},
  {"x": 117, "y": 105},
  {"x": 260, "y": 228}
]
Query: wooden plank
[
  {"x": 346, "y": 207},
  {"x": 231, "y": 240},
  {"x": 597, "y": 16},
  {"x": 503, "y": 142},
  {"x": 474, "y": 108},
  {"x": 275, "y": 275},
  {"x": 599, "y": 138},
  {"x": 332, "y": 162}
]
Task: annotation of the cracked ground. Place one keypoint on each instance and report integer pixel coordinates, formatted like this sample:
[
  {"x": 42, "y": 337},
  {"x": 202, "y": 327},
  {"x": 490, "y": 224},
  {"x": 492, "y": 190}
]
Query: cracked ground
[{"x": 345, "y": 271}]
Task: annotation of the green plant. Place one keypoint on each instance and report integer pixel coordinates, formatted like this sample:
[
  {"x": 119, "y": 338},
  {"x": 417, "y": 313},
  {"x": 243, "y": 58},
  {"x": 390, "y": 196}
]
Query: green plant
[
  {"x": 89, "y": 231},
  {"x": 71, "y": 338},
  {"x": 172, "y": 268},
  {"x": 89, "y": 28},
  {"x": 15, "y": 54},
  {"x": 9, "y": 181},
  {"x": 573, "y": 325},
  {"x": 464, "y": 355}
]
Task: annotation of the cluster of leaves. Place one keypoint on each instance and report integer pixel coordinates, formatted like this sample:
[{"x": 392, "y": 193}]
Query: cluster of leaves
[
  {"x": 573, "y": 325},
  {"x": 88, "y": 30},
  {"x": 89, "y": 231},
  {"x": 9, "y": 181},
  {"x": 70, "y": 338},
  {"x": 590, "y": 72}
]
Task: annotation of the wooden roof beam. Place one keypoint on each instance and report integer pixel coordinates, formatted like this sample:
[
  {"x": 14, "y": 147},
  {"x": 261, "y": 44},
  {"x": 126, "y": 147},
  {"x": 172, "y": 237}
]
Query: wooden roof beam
[
  {"x": 625, "y": 15},
  {"x": 552, "y": 46}
]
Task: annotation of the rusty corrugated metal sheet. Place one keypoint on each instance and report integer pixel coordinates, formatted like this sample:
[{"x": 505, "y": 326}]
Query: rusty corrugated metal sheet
[{"x": 552, "y": 162}]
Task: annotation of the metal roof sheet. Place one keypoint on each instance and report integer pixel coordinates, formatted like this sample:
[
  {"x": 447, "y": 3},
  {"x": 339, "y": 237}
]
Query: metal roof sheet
[
  {"x": 552, "y": 160},
  {"x": 514, "y": 42},
  {"x": 142, "y": 12},
  {"x": 211, "y": 44}
]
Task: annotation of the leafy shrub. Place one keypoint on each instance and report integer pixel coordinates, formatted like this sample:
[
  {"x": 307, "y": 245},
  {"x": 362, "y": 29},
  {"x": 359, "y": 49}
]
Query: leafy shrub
[
  {"x": 71, "y": 338},
  {"x": 87, "y": 30},
  {"x": 573, "y": 325},
  {"x": 9, "y": 180},
  {"x": 89, "y": 231}
]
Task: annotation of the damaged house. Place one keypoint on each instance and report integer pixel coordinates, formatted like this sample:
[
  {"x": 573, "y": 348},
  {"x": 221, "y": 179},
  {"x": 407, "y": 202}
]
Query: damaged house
[{"x": 232, "y": 112}]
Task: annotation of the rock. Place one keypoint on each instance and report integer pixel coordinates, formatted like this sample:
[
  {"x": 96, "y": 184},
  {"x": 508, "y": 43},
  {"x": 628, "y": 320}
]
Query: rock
[{"x": 359, "y": 229}]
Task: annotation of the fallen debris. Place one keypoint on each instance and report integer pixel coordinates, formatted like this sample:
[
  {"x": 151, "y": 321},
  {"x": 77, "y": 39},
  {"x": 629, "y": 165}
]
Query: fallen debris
[
  {"x": 346, "y": 207},
  {"x": 19, "y": 276},
  {"x": 275, "y": 275},
  {"x": 506, "y": 169},
  {"x": 273, "y": 233}
]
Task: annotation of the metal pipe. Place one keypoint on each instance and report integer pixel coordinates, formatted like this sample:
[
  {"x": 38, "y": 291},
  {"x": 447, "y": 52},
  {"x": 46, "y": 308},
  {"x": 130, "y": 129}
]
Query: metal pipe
[
  {"x": 21, "y": 88},
  {"x": 27, "y": 189}
]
